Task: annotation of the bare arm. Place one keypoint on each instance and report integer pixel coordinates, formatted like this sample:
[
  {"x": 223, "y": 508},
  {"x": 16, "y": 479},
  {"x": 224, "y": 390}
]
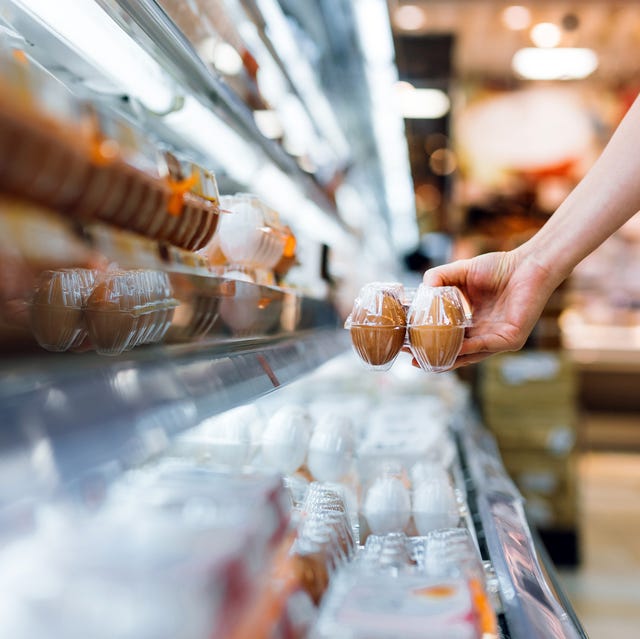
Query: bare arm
[
  {"x": 604, "y": 200},
  {"x": 508, "y": 291}
]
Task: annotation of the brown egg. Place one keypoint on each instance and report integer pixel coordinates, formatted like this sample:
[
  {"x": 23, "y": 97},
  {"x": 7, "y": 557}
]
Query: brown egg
[
  {"x": 436, "y": 328},
  {"x": 378, "y": 329},
  {"x": 56, "y": 310},
  {"x": 110, "y": 320},
  {"x": 311, "y": 572},
  {"x": 56, "y": 328},
  {"x": 436, "y": 347},
  {"x": 384, "y": 310}
]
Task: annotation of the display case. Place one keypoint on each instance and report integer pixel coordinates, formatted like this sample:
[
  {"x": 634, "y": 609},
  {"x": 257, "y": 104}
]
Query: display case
[{"x": 80, "y": 429}]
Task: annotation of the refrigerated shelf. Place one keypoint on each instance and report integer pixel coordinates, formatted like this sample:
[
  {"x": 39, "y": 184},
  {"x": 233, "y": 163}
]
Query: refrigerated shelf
[
  {"x": 533, "y": 604},
  {"x": 68, "y": 416}
]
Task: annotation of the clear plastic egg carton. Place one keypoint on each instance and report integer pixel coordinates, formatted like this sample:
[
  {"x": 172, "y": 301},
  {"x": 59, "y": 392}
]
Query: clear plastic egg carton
[
  {"x": 57, "y": 308},
  {"x": 112, "y": 311},
  {"x": 429, "y": 321},
  {"x": 43, "y": 133},
  {"x": 129, "y": 308},
  {"x": 191, "y": 213},
  {"x": 84, "y": 160},
  {"x": 251, "y": 236},
  {"x": 429, "y": 587}
]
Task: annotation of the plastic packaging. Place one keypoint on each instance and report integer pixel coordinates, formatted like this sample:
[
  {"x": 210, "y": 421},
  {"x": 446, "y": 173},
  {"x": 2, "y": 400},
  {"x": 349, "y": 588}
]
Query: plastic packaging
[
  {"x": 191, "y": 214},
  {"x": 434, "y": 505},
  {"x": 285, "y": 439},
  {"x": 41, "y": 133},
  {"x": 225, "y": 440},
  {"x": 123, "y": 182},
  {"x": 330, "y": 501},
  {"x": 387, "y": 505},
  {"x": 57, "y": 309},
  {"x": 250, "y": 236},
  {"x": 390, "y": 552},
  {"x": 436, "y": 322},
  {"x": 127, "y": 308},
  {"x": 250, "y": 309},
  {"x": 378, "y": 324},
  {"x": 331, "y": 448},
  {"x": 365, "y": 605}
]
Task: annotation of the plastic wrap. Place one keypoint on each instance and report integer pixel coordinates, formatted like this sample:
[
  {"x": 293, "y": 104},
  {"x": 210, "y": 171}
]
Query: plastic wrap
[{"x": 378, "y": 324}]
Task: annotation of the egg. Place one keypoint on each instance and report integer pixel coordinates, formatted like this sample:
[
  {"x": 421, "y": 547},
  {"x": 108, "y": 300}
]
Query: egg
[
  {"x": 285, "y": 439},
  {"x": 378, "y": 325},
  {"x": 434, "y": 506},
  {"x": 331, "y": 448},
  {"x": 310, "y": 570},
  {"x": 228, "y": 438},
  {"x": 437, "y": 323},
  {"x": 110, "y": 320},
  {"x": 387, "y": 506},
  {"x": 56, "y": 310},
  {"x": 423, "y": 471}
]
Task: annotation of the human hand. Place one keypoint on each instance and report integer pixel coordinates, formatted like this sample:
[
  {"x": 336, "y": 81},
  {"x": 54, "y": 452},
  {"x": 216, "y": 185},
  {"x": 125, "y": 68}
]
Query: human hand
[{"x": 506, "y": 291}]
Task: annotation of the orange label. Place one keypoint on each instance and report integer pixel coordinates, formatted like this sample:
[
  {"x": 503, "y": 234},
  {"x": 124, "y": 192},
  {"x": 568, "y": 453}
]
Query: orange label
[
  {"x": 178, "y": 189},
  {"x": 439, "y": 592}
]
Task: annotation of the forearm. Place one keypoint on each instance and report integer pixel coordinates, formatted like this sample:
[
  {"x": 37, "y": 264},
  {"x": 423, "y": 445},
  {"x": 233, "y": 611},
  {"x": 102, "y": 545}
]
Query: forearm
[{"x": 604, "y": 200}]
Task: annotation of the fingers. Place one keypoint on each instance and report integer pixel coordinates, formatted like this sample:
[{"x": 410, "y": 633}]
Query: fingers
[
  {"x": 466, "y": 360},
  {"x": 452, "y": 274}
]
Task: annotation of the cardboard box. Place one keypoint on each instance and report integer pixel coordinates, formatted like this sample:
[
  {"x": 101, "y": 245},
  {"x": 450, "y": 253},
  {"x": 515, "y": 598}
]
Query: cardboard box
[
  {"x": 535, "y": 374},
  {"x": 549, "y": 485},
  {"x": 555, "y": 436}
]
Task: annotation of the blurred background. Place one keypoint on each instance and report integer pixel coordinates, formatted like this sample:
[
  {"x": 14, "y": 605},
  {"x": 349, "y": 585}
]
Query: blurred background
[{"x": 523, "y": 99}]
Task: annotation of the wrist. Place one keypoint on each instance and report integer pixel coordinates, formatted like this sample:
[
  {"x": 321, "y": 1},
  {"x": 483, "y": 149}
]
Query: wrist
[{"x": 537, "y": 259}]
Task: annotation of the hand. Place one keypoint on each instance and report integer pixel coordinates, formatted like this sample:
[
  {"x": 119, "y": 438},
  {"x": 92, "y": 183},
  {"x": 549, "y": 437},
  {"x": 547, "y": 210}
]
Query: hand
[{"x": 507, "y": 293}]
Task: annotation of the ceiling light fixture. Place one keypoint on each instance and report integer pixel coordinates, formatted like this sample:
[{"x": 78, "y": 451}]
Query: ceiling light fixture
[
  {"x": 409, "y": 17},
  {"x": 516, "y": 18},
  {"x": 427, "y": 104},
  {"x": 546, "y": 35},
  {"x": 555, "y": 64}
]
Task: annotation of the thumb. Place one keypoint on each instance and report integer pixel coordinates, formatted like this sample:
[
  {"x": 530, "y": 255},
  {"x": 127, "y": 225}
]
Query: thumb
[{"x": 452, "y": 274}]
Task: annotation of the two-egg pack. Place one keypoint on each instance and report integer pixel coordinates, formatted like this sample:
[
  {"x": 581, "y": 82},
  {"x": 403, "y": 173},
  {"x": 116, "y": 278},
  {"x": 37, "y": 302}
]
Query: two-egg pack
[{"x": 432, "y": 325}]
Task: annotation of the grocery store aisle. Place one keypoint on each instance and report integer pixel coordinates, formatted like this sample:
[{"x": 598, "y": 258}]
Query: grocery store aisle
[{"x": 605, "y": 590}]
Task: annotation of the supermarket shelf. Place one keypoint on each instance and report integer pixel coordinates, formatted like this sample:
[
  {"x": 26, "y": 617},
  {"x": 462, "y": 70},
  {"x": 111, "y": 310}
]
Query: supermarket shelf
[
  {"x": 178, "y": 54},
  {"x": 68, "y": 416},
  {"x": 531, "y": 609}
]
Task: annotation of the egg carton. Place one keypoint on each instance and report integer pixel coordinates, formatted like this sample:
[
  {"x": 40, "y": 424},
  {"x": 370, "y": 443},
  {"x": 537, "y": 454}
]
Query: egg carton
[
  {"x": 116, "y": 311},
  {"x": 431, "y": 325}
]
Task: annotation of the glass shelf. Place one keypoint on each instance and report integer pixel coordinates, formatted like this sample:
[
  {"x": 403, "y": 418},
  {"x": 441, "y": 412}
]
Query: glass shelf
[{"x": 531, "y": 609}]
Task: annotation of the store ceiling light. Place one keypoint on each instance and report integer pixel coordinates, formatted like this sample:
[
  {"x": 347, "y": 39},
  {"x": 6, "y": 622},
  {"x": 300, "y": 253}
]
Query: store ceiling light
[
  {"x": 516, "y": 17},
  {"x": 427, "y": 104},
  {"x": 546, "y": 35},
  {"x": 555, "y": 64},
  {"x": 409, "y": 17}
]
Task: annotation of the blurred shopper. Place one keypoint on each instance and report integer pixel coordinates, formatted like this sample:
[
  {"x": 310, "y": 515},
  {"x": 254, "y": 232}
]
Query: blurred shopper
[{"x": 508, "y": 290}]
